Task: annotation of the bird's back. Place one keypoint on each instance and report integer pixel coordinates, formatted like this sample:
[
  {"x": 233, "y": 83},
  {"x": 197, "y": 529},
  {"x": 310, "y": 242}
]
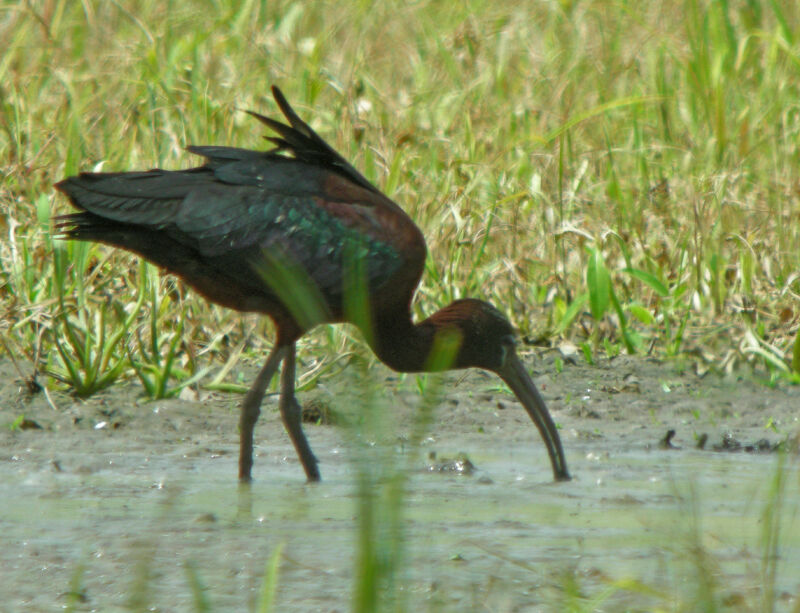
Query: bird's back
[{"x": 251, "y": 229}]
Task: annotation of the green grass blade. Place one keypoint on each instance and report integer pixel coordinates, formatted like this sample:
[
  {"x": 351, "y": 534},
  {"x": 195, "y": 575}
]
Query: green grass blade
[
  {"x": 598, "y": 282},
  {"x": 269, "y": 587}
]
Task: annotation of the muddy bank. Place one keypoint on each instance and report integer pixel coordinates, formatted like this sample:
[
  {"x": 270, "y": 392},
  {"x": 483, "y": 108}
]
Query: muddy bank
[{"x": 97, "y": 492}]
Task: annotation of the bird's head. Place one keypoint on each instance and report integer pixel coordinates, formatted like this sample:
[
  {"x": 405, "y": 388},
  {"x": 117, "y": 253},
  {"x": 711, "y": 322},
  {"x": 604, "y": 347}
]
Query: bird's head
[
  {"x": 485, "y": 339},
  {"x": 484, "y": 335}
]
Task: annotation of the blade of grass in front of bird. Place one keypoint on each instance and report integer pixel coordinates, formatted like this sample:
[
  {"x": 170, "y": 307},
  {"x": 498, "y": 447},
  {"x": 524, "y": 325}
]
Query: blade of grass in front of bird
[
  {"x": 198, "y": 589},
  {"x": 269, "y": 587}
]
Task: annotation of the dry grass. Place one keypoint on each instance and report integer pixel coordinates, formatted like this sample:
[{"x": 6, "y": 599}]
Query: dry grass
[{"x": 621, "y": 176}]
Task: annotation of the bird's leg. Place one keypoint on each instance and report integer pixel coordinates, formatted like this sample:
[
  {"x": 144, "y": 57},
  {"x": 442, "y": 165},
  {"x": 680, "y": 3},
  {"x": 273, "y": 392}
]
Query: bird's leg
[
  {"x": 251, "y": 409},
  {"x": 291, "y": 413}
]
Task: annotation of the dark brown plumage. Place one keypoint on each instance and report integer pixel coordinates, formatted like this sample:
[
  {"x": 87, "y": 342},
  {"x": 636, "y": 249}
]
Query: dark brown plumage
[{"x": 295, "y": 238}]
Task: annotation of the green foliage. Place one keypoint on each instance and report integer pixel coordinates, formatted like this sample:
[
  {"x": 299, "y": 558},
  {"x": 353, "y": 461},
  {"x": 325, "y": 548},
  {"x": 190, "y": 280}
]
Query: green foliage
[
  {"x": 90, "y": 331},
  {"x": 155, "y": 360},
  {"x": 269, "y": 587},
  {"x": 569, "y": 122},
  {"x": 16, "y": 424},
  {"x": 796, "y": 354},
  {"x": 200, "y": 599},
  {"x": 77, "y": 591},
  {"x": 598, "y": 282}
]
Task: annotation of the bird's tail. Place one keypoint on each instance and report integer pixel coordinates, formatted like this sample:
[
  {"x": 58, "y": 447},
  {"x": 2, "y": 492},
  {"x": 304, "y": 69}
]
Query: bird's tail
[{"x": 83, "y": 227}]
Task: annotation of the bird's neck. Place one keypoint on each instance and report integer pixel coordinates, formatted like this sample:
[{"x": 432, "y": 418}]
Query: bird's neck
[{"x": 400, "y": 343}]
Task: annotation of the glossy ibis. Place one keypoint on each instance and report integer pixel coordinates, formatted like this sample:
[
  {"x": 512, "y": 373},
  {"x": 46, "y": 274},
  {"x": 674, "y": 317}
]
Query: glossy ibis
[{"x": 262, "y": 231}]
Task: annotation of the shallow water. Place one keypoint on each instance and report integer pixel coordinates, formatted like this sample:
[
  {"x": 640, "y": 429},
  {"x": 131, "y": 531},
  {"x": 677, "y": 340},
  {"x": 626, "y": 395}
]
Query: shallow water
[{"x": 158, "y": 494}]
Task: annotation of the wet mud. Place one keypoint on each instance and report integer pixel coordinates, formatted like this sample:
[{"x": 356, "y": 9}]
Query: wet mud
[{"x": 671, "y": 472}]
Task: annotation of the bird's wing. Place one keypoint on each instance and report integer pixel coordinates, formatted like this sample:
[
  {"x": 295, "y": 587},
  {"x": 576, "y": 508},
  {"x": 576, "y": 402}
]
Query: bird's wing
[
  {"x": 261, "y": 210},
  {"x": 313, "y": 210},
  {"x": 305, "y": 144}
]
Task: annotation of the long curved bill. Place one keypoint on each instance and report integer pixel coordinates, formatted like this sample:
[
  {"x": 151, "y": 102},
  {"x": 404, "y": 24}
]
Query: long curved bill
[{"x": 514, "y": 374}]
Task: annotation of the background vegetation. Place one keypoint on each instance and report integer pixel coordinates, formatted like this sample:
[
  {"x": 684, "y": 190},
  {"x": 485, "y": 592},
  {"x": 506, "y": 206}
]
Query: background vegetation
[
  {"x": 616, "y": 175},
  {"x": 620, "y": 175},
  {"x": 624, "y": 176}
]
